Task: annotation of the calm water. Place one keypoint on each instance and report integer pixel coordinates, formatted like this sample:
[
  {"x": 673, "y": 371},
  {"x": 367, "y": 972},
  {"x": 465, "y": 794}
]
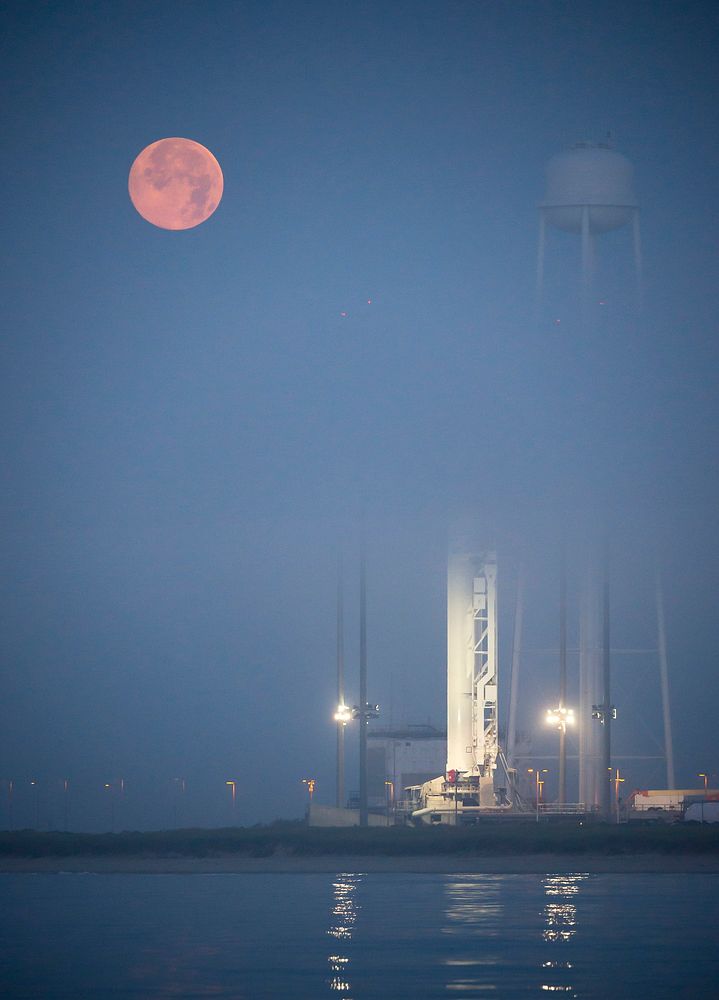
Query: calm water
[{"x": 303, "y": 937}]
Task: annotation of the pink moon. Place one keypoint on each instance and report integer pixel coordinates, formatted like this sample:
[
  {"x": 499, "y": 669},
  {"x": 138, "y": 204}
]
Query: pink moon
[{"x": 175, "y": 183}]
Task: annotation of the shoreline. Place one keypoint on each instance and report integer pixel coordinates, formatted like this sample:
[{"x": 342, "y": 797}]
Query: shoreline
[{"x": 229, "y": 864}]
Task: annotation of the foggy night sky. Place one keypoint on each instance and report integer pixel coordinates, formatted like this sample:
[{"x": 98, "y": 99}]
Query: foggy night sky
[{"x": 189, "y": 425}]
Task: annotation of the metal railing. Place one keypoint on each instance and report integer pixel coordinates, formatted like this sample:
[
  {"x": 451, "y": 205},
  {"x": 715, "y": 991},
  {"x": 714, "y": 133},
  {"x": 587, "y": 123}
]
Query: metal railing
[{"x": 562, "y": 808}]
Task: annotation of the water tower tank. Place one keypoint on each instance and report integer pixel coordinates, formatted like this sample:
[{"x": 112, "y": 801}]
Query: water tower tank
[{"x": 590, "y": 176}]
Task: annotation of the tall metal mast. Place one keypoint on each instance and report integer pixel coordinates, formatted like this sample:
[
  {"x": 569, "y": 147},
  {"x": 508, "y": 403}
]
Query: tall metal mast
[
  {"x": 341, "y": 723},
  {"x": 563, "y": 675},
  {"x": 363, "y": 687},
  {"x": 606, "y": 709},
  {"x": 664, "y": 678},
  {"x": 586, "y": 696}
]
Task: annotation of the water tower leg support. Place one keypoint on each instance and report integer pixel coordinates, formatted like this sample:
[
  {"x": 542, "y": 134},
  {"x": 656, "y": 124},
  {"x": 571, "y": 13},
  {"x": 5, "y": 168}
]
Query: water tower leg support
[
  {"x": 638, "y": 261},
  {"x": 586, "y": 254},
  {"x": 664, "y": 677},
  {"x": 540, "y": 259}
]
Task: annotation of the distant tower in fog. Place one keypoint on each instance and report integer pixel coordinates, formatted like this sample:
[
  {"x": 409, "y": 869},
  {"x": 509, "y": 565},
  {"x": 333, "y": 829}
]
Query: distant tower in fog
[{"x": 589, "y": 192}]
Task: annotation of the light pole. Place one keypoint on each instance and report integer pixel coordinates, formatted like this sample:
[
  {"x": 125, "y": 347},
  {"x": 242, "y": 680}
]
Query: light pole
[
  {"x": 563, "y": 674},
  {"x": 179, "y": 798},
  {"x": 342, "y": 716},
  {"x": 10, "y": 788},
  {"x": 389, "y": 793},
  {"x": 233, "y": 797},
  {"x": 343, "y": 713},
  {"x": 364, "y": 711},
  {"x": 539, "y": 782},
  {"x": 36, "y": 786},
  {"x": 65, "y": 787},
  {"x": 121, "y": 800},
  {"x": 706, "y": 785},
  {"x": 561, "y": 717},
  {"x": 363, "y": 811},
  {"x": 617, "y": 782},
  {"x": 608, "y": 710},
  {"x": 310, "y": 782},
  {"x": 108, "y": 789}
]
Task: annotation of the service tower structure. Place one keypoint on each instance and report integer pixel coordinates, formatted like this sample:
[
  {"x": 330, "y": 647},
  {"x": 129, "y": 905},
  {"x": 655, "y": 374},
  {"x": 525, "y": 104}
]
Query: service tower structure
[
  {"x": 467, "y": 788},
  {"x": 472, "y": 745}
]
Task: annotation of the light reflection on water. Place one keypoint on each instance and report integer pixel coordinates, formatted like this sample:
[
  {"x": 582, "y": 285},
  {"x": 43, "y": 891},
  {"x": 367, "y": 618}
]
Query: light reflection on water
[
  {"x": 473, "y": 913},
  {"x": 345, "y": 910},
  {"x": 300, "y": 937},
  {"x": 475, "y": 916},
  {"x": 560, "y": 926}
]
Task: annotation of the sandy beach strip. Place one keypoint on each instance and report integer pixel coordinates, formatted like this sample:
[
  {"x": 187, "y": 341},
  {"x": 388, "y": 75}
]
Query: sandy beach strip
[{"x": 233, "y": 864}]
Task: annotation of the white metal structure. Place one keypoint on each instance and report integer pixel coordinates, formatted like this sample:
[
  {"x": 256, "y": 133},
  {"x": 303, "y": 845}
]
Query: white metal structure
[
  {"x": 702, "y": 812},
  {"x": 472, "y": 664},
  {"x": 668, "y": 799},
  {"x": 589, "y": 192},
  {"x": 590, "y": 184},
  {"x": 472, "y": 737}
]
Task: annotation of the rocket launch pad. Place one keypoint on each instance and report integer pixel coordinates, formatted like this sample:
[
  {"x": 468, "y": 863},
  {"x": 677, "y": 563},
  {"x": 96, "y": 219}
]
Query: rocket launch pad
[{"x": 468, "y": 785}]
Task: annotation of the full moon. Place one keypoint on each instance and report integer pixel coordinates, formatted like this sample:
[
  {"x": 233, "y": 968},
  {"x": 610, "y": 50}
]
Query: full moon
[{"x": 175, "y": 183}]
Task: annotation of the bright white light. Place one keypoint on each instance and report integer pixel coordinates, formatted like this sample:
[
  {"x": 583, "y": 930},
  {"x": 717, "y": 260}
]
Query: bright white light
[
  {"x": 561, "y": 717},
  {"x": 343, "y": 714}
]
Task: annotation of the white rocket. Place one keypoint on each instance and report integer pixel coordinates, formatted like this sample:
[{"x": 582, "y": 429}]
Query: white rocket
[
  {"x": 472, "y": 664},
  {"x": 467, "y": 786}
]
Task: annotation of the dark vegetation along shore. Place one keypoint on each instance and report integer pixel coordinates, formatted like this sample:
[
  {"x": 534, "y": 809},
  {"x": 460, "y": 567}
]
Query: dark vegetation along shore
[{"x": 296, "y": 840}]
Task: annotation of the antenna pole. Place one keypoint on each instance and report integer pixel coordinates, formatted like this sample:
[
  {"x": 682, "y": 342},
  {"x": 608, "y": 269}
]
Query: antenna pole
[
  {"x": 363, "y": 684},
  {"x": 340, "y": 687},
  {"x": 563, "y": 673},
  {"x": 664, "y": 678},
  {"x": 605, "y": 800}
]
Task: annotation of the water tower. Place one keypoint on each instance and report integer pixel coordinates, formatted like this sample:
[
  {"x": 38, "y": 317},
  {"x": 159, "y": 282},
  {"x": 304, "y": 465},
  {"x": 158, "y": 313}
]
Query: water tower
[{"x": 589, "y": 192}]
